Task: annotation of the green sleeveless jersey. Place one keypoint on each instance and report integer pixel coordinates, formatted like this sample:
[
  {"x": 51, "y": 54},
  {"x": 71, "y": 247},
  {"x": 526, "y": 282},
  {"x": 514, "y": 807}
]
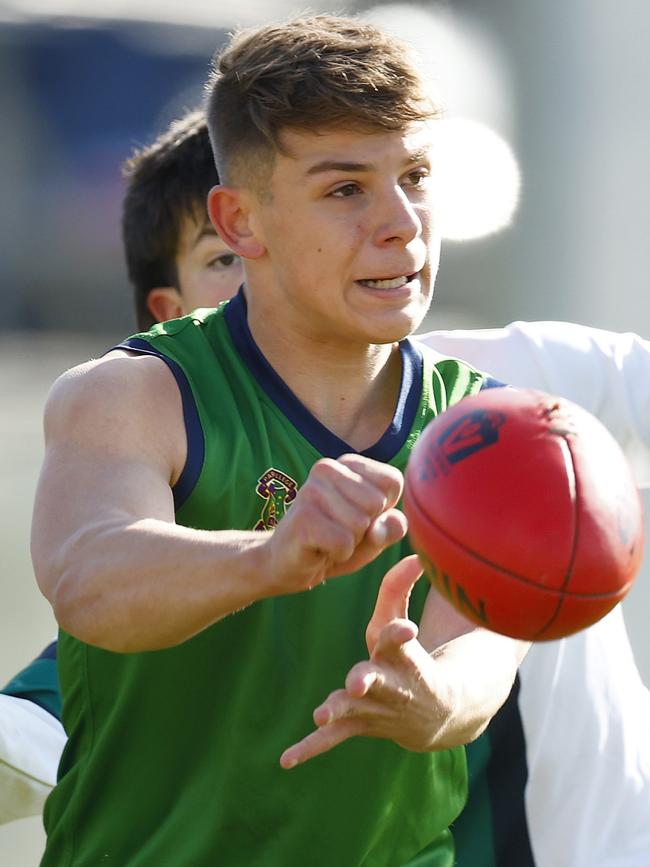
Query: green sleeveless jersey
[{"x": 173, "y": 755}]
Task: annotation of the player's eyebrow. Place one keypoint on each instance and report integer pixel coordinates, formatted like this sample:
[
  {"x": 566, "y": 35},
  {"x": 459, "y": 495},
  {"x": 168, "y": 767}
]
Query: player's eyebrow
[
  {"x": 343, "y": 166},
  {"x": 420, "y": 154},
  {"x": 336, "y": 166}
]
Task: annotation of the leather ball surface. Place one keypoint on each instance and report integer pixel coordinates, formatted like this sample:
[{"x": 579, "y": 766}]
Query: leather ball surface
[{"x": 525, "y": 513}]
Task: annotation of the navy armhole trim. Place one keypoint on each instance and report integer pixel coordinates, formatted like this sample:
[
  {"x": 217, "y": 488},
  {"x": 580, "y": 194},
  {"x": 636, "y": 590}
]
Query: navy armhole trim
[
  {"x": 195, "y": 439},
  {"x": 491, "y": 382},
  {"x": 320, "y": 437},
  {"x": 49, "y": 652}
]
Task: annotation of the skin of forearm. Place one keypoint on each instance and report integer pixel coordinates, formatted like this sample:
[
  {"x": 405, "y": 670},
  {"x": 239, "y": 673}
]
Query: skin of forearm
[
  {"x": 480, "y": 668},
  {"x": 151, "y": 584}
]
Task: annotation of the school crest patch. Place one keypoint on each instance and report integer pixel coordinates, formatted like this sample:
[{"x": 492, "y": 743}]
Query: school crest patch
[{"x": 278, "y": 490}]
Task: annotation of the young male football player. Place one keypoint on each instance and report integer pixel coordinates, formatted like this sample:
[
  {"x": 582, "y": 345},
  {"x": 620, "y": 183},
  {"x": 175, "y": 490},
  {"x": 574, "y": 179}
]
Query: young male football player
[
  {"x": 177, "y": 263},
  {"x": 229, "y": 517}
]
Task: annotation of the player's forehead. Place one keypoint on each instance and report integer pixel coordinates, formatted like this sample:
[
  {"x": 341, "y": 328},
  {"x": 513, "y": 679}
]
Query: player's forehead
[{"x": 308, "y": 152}]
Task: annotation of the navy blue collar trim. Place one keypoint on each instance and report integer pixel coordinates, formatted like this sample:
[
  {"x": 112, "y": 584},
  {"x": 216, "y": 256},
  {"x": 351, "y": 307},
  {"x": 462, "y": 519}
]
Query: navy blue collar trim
[{"x": 326, "y": 442}]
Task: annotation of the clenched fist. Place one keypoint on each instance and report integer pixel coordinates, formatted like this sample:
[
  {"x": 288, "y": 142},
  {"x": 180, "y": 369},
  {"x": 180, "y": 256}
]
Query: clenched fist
[{"x": 342, "y": 518}]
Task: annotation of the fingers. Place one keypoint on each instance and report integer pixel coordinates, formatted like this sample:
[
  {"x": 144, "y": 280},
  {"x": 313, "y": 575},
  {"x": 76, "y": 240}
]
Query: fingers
[
  {"x": 385, "y": 531},
  {"x": 343, "y": 517},
  {"x": 393, "y": 637},
  {"x": 319, "y": 741},
  {"x": 376, "y": 692},
  {"x": 353, "y": 490},
  {"x": 391, "y": 653},
  {"x": 372, "y": 704},
  {"x": 393, "y": 597},
  {"x": 382, "y": 476},
  {"x": 387, "y": 528},
  {"x": 339, "y": 718}
]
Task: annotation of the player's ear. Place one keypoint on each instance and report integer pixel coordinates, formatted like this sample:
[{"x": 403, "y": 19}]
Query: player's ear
[
  {"x": 230, "y": 212},
  {"x": 164, "y": 303}
]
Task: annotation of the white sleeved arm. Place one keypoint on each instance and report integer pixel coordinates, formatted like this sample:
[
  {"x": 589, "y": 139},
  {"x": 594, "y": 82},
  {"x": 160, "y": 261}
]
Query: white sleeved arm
[
  {"x": 605, "y": 372},
  {"x": 31, "y": 741},
  {"x": 586, "y": 720}
]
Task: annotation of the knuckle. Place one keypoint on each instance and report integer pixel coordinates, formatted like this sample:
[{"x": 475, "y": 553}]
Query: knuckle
[
  {"x": 317, "y": 502},
  {"x": 394, "y": 481},
  {"x": 376, "y": 501},
  {"x": 325, "y": 468},
  {"x": 361, "y": 726},
  {"x": 352, "y": 460},
  {"x": 356, "y": 673},
  {"x": 342, "y": 545},
  {"x": 358, "y": 524},
  {"x": 314, "y": 496},
  {"x": 402, "y": 696}
]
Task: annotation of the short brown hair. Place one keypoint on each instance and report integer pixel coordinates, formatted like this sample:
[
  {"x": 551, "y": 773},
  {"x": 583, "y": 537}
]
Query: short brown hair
[{"x": 318, "y": 72}]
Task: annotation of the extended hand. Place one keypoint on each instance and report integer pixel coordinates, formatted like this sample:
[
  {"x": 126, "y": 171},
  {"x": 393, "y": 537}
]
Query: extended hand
[{"x": 396, "y": 694}]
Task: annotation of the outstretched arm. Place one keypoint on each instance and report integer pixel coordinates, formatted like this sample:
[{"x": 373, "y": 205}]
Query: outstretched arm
[{"x": 117, "y": 569}]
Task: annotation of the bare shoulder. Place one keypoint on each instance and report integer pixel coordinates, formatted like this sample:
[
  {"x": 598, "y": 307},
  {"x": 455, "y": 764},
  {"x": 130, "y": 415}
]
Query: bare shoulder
[{"x": 118, "y": 402}]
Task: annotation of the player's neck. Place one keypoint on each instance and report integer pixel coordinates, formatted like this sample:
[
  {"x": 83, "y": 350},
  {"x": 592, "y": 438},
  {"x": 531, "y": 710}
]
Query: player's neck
[{"x": 352, "y": 390}]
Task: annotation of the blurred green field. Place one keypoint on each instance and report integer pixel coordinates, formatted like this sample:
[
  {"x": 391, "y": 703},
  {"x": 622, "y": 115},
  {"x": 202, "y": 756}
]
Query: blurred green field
[{"x": 28, "y": 366}]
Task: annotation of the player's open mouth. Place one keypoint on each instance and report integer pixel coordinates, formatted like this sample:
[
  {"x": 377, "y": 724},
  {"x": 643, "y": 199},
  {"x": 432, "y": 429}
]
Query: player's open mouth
[{"x": 390, "y": 283}]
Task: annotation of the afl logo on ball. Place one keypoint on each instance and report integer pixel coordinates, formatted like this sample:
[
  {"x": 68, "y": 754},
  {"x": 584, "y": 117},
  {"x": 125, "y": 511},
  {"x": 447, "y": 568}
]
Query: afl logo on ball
[{"x": 471, "y": 432}]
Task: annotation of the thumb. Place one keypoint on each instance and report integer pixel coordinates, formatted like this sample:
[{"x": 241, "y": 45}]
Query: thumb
[{"x": 393, "y": 597}]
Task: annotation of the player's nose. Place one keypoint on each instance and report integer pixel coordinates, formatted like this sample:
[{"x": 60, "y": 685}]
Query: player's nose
[{"x": 397, "y": 219}]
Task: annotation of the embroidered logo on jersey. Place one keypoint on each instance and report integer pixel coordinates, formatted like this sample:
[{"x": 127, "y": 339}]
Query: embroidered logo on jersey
[
  {"x": 279, "y": 491},
  {"x": 473, "y": 431}
]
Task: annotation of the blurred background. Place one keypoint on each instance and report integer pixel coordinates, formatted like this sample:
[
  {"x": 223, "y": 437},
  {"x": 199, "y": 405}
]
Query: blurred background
[{"x": 552, "y": 94}]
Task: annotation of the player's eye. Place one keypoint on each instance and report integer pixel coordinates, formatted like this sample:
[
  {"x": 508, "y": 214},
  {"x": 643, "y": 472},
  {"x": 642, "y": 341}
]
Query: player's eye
[
  {"x": 223, "y": 262},
  {"x": 346, "y": 190},
  {"x": 417, "y": 178}
]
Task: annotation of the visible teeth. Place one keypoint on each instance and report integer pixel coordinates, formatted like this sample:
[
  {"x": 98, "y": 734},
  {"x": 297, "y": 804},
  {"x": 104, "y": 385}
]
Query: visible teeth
[{"x": 393, "y": 283}]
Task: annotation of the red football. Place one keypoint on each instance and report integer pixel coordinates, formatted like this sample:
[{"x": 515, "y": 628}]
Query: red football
[{"x": 525, "y": 513}]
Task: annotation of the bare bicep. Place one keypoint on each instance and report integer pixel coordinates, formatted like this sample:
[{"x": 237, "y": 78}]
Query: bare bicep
[{"x": 110, "y": 459}]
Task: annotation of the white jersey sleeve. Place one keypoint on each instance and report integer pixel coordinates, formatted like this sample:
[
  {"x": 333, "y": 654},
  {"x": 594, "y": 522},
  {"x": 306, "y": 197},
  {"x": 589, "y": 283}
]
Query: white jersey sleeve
[
  {"x": 31, "y": 741},
  {"x": 586, "y": 719},
  {"x": 605, "y": 372}
]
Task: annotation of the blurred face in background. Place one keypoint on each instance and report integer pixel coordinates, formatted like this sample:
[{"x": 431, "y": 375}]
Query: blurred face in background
[{"x": 208, "y": 272}]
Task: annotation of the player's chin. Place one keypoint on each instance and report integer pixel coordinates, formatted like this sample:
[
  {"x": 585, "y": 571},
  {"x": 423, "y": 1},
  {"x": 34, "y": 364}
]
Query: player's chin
[
  {"x": 399, "y": 322},
  {"x": 390, "y": 315}
]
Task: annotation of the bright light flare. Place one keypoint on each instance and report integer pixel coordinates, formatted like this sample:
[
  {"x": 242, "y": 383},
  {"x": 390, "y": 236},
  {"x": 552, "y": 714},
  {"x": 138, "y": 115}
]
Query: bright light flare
[
  {"x": 478, "y": 175},
  {"x": 477, "y": 180}
]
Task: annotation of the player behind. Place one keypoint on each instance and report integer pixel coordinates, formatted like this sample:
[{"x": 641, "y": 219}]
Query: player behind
[
  {"x": 175, "y": 259},
  {"x": 290, "y": 410}
]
